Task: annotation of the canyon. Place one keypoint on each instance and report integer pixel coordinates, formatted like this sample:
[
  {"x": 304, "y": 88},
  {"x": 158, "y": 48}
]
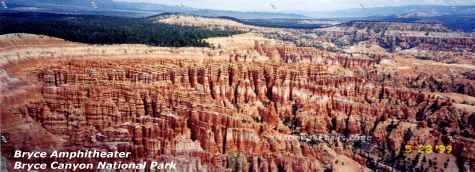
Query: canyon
[{"x": 246, "y": 103}]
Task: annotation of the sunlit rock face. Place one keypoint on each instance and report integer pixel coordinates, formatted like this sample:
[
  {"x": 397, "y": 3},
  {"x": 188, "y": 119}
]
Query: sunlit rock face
[{"x": 226, "y": 109}]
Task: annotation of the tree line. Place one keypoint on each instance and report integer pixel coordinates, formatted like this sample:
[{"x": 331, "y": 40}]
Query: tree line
[{"x": 107, "y": 30}]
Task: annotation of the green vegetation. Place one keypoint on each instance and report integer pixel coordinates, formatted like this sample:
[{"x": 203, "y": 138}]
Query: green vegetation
[{"x": 106, "y": 29}]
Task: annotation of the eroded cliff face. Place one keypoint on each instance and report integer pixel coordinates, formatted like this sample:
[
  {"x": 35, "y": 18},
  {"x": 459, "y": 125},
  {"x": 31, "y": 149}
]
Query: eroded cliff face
[
  {"x": 393, "y": 35},
  {"x": 426, "y": 41},
  {"x": 227, "y": 109}
]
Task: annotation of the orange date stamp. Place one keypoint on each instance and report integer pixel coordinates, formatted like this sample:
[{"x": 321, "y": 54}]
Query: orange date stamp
[{"x": 428, "y": 149}]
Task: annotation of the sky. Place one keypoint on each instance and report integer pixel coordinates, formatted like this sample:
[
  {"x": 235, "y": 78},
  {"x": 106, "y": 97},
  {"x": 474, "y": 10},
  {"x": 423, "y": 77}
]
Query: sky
[{"x": 299, "y": 5}]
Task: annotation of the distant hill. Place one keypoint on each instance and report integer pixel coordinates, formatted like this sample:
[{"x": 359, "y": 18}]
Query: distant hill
[
  {"x": 273, "y": 22},
  {"x": 457, "y": 18},
  {"x": 460, "y": 23},
  {"x": 118, "y": 8},
  {"x": 400, "y": 11}
]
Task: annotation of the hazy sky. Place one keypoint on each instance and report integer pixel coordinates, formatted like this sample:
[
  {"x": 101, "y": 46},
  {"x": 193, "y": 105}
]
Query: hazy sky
[{"x": 304, "y": 5}]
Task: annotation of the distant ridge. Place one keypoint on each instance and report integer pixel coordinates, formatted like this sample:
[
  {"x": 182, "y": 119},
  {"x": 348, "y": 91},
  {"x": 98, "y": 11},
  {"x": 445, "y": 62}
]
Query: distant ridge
[
  {"x": 456, "y": 18},
  {"x": 184, "y": 14},
  {"x": 270, "y": 23},
  {"x": 396, "y": 11},
  {"x": 108, "y": 7}
]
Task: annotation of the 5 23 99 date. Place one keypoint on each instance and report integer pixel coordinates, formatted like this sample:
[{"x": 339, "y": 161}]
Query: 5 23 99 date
[{"x": 427, "y": 149}]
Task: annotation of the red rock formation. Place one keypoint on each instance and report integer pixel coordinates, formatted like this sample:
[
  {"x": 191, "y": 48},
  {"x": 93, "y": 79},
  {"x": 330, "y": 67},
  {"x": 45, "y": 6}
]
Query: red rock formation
[{"x": 237, "y": 115}]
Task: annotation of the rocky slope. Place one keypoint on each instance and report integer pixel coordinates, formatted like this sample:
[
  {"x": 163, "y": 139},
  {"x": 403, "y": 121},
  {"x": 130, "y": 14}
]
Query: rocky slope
[
  {"x": 427, "y": 41},
  {"x": 424, "y": 41},
  {"x": 247, "y": 104}
]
